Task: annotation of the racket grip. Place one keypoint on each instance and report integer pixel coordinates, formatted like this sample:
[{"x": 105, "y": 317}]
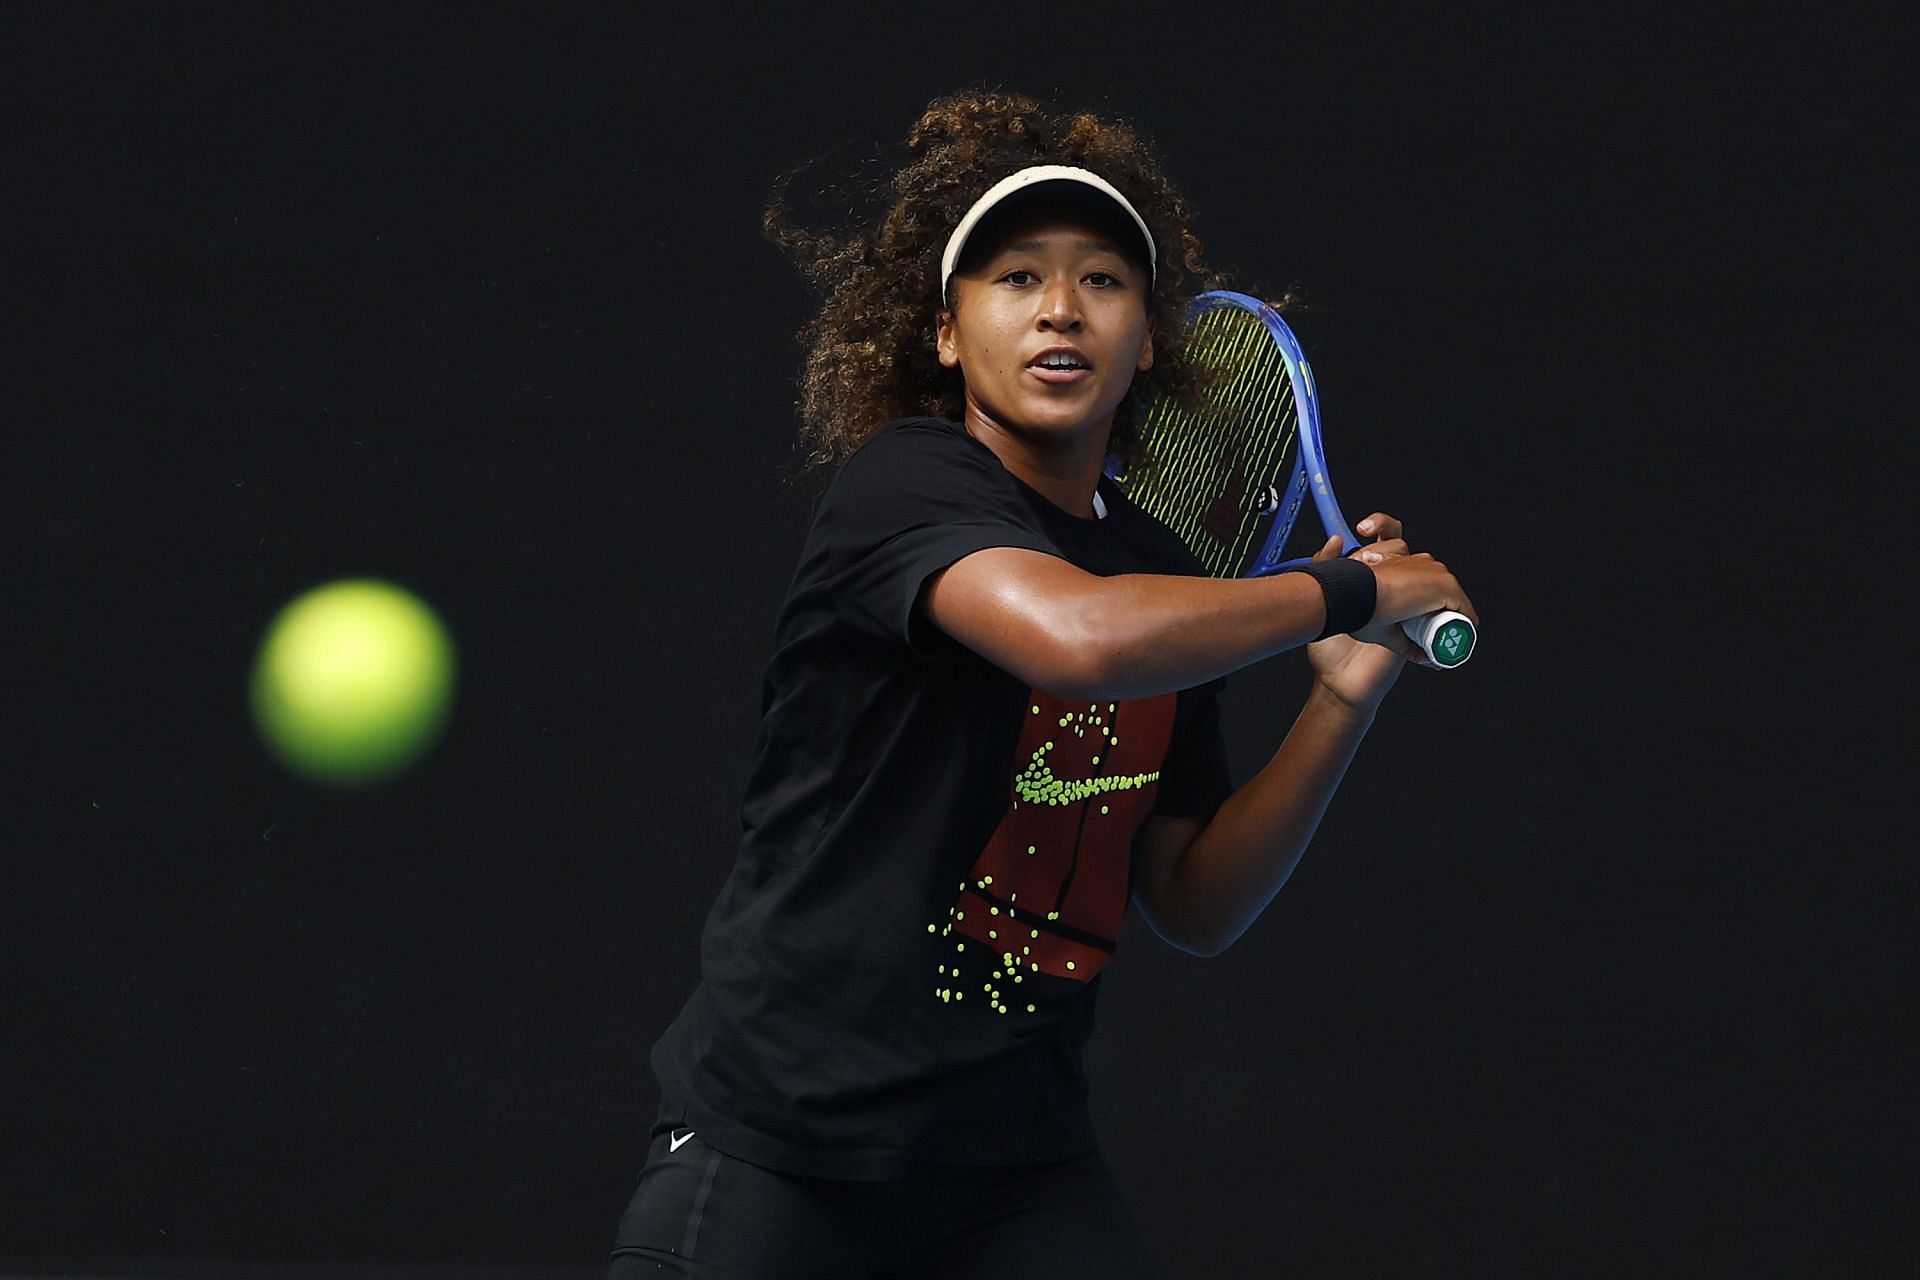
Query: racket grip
[{"x": 1446, "y": 637}]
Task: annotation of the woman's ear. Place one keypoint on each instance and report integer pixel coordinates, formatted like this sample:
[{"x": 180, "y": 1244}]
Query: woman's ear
[
  {"x": 1146, "y": 351},
  {"x": 943, "y": 339}
]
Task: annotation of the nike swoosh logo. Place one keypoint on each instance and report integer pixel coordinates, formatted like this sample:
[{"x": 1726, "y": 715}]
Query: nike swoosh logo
[
  {"x": 1037, "y": 785},
  {"x": 674, "y": 1144}
]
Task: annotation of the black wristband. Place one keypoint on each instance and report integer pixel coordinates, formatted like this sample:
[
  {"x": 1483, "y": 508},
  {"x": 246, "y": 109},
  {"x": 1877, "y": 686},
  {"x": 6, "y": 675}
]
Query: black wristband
[{"x": 1349, "y": 589}]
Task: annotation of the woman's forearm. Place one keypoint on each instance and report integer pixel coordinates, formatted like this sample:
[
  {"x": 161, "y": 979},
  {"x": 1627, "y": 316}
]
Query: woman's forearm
[
  {"x": 1145, "y": 634},
  {"x": 1241, "y": 858},
  {"x": 1080, "y": 635}
]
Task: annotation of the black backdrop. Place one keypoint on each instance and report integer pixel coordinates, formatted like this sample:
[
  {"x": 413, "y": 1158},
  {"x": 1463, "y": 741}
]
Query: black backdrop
[{"x": 1604, "y": 958}]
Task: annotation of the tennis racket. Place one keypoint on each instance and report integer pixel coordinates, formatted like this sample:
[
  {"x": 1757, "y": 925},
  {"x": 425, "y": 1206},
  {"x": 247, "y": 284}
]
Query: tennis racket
[{"x": 1231, "y": 477}]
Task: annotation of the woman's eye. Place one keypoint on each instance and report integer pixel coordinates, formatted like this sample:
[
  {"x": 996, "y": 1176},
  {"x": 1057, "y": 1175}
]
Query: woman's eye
[
  {"x": 1018, "y": 277},
  {"x": 1102, "y": 279}
]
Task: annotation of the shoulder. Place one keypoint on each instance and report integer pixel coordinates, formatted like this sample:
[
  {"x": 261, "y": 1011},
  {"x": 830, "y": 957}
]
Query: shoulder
[
  {"x": 921, "y": 473},
  {"x": 918, "y": 456},
  {"x": 915, "y": 437}
]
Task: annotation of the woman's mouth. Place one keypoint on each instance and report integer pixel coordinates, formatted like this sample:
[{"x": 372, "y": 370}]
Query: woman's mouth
[{"x": 1060, "y": 366}]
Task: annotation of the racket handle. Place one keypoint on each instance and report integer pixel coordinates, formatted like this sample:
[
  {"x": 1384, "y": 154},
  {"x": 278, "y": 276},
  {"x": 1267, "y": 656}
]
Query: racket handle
[{"x": 1446, "y": 637}]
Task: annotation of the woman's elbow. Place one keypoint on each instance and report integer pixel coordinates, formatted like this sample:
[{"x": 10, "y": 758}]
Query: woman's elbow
[
  {"x": 1069, "y": 668},
  {"x": 1032, "y": 615}
]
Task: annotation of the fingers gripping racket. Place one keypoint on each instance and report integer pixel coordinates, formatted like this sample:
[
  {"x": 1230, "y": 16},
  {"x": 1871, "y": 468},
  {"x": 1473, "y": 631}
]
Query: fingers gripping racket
[{"x": 1231, "y": 477}]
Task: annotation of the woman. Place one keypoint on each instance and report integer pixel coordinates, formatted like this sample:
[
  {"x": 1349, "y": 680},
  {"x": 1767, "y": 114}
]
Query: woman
[{"x": 990, "y": 723}]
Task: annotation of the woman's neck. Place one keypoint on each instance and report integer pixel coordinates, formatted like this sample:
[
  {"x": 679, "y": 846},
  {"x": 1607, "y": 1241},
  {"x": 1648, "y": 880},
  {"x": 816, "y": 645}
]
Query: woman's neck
[{"x": 1063, "y": 468}]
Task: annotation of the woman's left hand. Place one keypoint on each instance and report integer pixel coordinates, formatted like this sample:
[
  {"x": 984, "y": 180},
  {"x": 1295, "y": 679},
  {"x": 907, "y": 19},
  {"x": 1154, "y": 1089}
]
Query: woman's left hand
[{"x": 1358, "y": 669}]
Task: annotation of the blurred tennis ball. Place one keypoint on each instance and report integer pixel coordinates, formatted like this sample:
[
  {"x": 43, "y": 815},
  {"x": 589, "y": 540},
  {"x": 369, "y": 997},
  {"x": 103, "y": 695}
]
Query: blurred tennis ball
[{"x": 352, "y": 682}]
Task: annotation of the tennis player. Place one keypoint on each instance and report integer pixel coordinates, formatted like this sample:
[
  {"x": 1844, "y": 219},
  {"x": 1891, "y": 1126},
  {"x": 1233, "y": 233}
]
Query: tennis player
[{"x": 990, "y": 723}]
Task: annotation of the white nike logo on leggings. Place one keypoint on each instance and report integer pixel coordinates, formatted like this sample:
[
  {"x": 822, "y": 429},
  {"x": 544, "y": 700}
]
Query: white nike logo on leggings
[{"x": 675, "y": 1143}]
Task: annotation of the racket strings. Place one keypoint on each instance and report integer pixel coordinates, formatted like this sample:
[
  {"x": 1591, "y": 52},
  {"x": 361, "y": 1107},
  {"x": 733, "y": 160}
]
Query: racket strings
[{"x": 1212, "y": 467}]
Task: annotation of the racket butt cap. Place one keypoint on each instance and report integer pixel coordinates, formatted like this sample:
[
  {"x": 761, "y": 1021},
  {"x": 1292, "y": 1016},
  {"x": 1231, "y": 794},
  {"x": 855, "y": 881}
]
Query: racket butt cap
[{"x": 1447, "y": 637}]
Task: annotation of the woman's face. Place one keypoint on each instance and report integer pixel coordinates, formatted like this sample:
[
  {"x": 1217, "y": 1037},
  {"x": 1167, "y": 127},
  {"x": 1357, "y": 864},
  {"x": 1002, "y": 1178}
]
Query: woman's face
[{"x": 1048, "y": 327}]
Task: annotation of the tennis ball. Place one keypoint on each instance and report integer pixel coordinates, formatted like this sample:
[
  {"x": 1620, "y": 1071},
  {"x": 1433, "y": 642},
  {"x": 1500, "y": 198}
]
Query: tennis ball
[{"x": 352, "y": 682}]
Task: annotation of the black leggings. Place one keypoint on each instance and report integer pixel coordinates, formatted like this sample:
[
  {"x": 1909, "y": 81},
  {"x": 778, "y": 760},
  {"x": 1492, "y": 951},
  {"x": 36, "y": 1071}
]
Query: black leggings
[{"x": 703, "y": 1214}]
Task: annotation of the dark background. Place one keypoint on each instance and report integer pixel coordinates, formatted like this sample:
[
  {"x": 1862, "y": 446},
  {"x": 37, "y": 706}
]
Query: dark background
[{"x": 1604, "y": 960}]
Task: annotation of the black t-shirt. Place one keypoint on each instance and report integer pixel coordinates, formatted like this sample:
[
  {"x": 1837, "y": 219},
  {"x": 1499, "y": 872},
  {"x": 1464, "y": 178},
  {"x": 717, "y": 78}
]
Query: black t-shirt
[{"x": 934, "y": 859}]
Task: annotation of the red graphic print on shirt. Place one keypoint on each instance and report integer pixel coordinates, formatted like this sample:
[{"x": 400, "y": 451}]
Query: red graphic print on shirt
[{"x": 1049, "y": 891}]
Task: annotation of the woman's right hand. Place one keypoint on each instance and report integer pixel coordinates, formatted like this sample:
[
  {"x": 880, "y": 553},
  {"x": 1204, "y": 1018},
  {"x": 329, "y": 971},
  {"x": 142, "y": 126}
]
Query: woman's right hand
[{"x": 1412, "y": 586}]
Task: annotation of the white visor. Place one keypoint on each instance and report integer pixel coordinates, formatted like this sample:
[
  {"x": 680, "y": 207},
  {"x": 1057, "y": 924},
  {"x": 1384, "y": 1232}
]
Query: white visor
[{"x": 1021, "y": 181}]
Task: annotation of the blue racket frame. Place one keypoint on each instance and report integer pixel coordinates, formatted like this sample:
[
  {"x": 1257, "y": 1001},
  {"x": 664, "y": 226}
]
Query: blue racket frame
[
  {"x": 1446, "y": 636},
  {"x": 1310, "y": 474}
]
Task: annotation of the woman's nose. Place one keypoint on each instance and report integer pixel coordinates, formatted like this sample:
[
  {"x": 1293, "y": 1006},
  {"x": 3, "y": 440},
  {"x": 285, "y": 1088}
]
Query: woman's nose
[{"x": 1060, "y": 307}]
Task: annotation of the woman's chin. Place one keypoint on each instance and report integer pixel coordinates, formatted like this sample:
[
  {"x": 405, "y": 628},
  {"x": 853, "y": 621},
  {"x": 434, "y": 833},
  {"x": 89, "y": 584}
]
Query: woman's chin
[
  {"x": 1060, "y": 415},
  {"x": 1048, "y": 418}
]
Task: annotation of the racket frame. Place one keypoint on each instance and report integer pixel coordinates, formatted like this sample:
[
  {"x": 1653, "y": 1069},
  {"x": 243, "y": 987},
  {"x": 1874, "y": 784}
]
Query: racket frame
[{"x": 1311, "y": 474}]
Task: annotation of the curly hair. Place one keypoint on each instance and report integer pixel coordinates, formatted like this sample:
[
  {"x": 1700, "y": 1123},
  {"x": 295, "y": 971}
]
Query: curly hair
[{"x": 870, "y": 354}]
